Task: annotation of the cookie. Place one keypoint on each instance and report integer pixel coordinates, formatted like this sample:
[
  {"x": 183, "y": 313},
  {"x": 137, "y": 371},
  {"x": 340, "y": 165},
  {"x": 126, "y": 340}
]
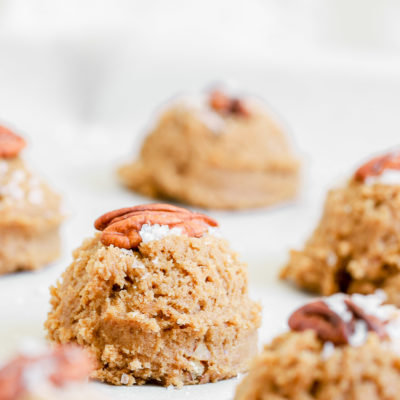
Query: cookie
[
  {"x": 215, "y": 151},
  {"x": 356, "y": 245},
  {"x": 30, "y": 214},
  {"x": 157, "y": 297},
  {"x": 340, "y": 347},
  {"x": 47, "y": 374}
]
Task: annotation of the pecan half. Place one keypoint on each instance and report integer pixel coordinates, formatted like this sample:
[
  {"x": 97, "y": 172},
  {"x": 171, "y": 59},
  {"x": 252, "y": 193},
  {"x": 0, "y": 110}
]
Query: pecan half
[
  {"x": 377, "y": 166},
  {"x": 10, "y": 143},
  {"x": 69, "y": 363},
  {"x": 318, "y": 317},
  {"x": 121, "y": 227},
  {"x": 329, "y": 326},
  {"x": 374, "y": 324},
  {"x": 224, "y": 104}
]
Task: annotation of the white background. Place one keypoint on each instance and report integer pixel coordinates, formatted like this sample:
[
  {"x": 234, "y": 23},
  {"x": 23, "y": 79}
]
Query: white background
[{"x": 82, "y": 80}]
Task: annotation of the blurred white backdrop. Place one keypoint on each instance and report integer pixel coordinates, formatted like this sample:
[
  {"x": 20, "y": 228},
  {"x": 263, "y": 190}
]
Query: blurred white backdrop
[
  {"x": 110, "y": 61},
  {"x": 83, "y": 78}
]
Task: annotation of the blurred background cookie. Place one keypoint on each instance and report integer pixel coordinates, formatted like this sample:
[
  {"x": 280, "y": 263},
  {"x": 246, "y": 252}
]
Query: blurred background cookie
[
  {"x": 40, "y": 373},
  {"x": 216, "y": 151},
  {"x": 30, "y": 214},
  {"x": 356, "y": 245}
]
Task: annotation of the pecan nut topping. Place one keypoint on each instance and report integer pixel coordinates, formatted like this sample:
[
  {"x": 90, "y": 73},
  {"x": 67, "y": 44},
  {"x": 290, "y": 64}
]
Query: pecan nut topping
[
  {"x": 226, "y": 105},
  {"x": 377, "y": 166},
  {"x": 318, "y": 317},
  {"x": 10, "y": 143},
  {"x": 329, "y": 326},
  {"x": 121, "y": 228},
  {"x": 69, "y": 363},
  {"x": 373, "y": 323}
]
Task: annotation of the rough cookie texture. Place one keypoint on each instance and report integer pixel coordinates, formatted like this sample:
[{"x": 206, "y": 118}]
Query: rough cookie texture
[
  {"x": 174, "y": 311},
  {"x": 294, "y": 366},
  {"x": 339, "y": 347},
  {"x": 29, "y": 219},
  {"x": 356, "y": 246},
  {"x": 201, "y": 157}
]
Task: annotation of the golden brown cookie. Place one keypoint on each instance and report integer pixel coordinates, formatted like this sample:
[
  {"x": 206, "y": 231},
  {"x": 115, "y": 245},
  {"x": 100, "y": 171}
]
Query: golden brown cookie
[
  {"x": 29, "y": 212},
  {"x": 356, "y": 245},
  {"x": 47, "y": 374},
  {"x": 157, "y": 296},
  {"x": 340, "y": 347},
  {"x": 215, "y": 152}
]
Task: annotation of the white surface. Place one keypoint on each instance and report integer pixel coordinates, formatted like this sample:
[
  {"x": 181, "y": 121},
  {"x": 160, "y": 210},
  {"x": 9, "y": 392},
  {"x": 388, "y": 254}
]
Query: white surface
[{"x": 82, "y": 81}]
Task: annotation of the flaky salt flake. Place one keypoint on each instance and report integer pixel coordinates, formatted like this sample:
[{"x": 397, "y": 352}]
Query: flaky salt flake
[
  {"x": 214, "y": 232},
  {"x": 137, "y": 264},
  {"x": 327, "y": 350},
  {"x": 360, "y": 334},
  {"x": 181, "y": 321},
  {"x": 336, "y": 304},
  {"x": 18, "y": 176},
  {"x": 132, "y": 314},
  {"x": 13, "y": 190},
  {"x": 135, "y": 365},
  {"x": 35, "y": 196},
  {"x": 125, "y": 251},
  {"x": 388, "y": 177},
  {"x": 150, "y": 233},
  {"x": 129, "y": 253},
  {"x": 201, "y": 352},
  {"x": 124, "y": 379},
  {"x": 3, "y": 167},
  {"x": 197, "y": 368}
]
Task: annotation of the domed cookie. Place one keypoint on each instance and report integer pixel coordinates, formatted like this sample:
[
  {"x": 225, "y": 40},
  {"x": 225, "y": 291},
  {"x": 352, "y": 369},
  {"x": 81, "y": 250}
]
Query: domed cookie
[
  {"x": 356, "y": 246},
  {"x": 215, "y": 151},
  {"x": 44, "y": 374},
  {"x": 29, "y": 212},
  {"x": 157, "y": 296},
  {"x": 340, "y": 347}
]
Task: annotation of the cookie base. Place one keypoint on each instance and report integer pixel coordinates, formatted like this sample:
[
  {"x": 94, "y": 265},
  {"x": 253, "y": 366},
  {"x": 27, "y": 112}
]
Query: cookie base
[{"x": 21, "y": 249}]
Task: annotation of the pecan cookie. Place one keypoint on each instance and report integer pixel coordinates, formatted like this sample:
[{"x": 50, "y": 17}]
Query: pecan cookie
[
  {"x": 157, "y": 296},
  {"x": 356, "y": 245},
  {"x": 29, "y": 211},
  {"x": 215, "y": 151},
  {"x": 340, "y": 347},
  {"x": 47, "y": 374}
]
